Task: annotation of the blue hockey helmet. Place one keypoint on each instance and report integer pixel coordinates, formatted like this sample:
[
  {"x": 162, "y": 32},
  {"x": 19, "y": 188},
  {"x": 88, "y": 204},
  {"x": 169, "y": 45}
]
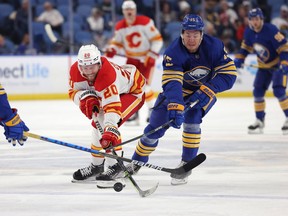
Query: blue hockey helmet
[
  {"x": 255, "y": 12},
  {"x": 192, "y": 22}
]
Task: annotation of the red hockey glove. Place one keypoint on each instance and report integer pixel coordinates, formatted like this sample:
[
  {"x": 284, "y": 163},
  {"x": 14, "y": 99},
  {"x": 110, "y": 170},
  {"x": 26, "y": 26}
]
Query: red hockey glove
[
  {"x": 150, "y": 59},
  {"x": 110, "y": 137},
  {"x": 110, "y": 52},
  {"x": 89, "y": 103},
  {"x": 175, "y": 112}
]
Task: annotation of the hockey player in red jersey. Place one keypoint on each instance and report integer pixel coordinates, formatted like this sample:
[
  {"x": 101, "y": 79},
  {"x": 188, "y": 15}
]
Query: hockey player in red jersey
[
  {"x": 11, "y": 121},
  {"x": 141, "y": 42},
  {"x": 110, "y": 92}
]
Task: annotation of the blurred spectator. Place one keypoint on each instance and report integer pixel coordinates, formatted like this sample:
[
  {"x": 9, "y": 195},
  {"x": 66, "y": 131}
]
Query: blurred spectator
[
  {"x": 167, "y": 13},
  {"x": 51, "y": 16},
  {"x": 241, "y": 24},
  {"x": 96, "y": 26},
  {"x": 226, "y": 10},
  {"x": 210, "y": 13},
  {"x": 282, "y": 20},
  {"x": 6, "y": 46},
  {"x": 210, "y": 29},
  {"x": 184, "y": 9},
  {"x": 20, "y": 18},
  {"x": 23, "y": 47},
  {"x": 266, "y": 9}
]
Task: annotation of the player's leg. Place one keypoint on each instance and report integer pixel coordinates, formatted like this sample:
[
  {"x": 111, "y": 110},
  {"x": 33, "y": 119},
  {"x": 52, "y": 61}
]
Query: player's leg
[
  {"x": 130, "y": 105},
  {"x": 279, "y": 91},
  {"x": 147, "y": 144},
  {"x": 261, "y": 83},
  {"x": 191, "y": 137}
]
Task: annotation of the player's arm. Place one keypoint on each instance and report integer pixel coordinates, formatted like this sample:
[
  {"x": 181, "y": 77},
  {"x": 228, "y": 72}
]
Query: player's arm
[
  {"x": 245, "y": 49},
  {"x": 281, "y": 45},
  {"x": 172, "y": 81},
  {"x": 11, "y": 121}
]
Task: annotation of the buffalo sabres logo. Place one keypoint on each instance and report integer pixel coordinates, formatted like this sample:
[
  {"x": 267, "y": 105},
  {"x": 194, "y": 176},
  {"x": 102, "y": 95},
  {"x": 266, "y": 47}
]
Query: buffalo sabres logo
[
  {"x": 196, "y": 76},
  {"x": 262, "y": 52}
]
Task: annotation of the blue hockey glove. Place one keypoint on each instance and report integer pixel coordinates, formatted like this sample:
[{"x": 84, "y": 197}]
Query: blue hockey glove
[
  {"x": 284, "y": 69},
  {"x": 205, "y": 96},
  {"x": 14, "y": 128},
  {"x": 238, "y": 62},
  {"x": 176, "y": 113}
]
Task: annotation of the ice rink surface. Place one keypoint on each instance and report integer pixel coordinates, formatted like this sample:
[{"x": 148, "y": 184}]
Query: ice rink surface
[{"x": 244, "y": 175}]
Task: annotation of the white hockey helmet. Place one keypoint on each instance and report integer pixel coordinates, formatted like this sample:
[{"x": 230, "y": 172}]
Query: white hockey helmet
[
  {"x": 128, "y": 5},
  {"x": 89, "y": 55}
]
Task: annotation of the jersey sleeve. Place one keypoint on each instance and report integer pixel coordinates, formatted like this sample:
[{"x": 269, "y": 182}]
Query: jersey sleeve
[
  {"x": 5, "y": 109},
  {"x": 225, "y": 71},
  {"x": 172, "y": 78},
  {"x": 246, "y": 46}
]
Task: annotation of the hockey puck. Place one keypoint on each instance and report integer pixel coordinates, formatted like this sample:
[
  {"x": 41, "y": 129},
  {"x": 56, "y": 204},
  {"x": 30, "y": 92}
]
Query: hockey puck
[{"x": 118, "y": 186}]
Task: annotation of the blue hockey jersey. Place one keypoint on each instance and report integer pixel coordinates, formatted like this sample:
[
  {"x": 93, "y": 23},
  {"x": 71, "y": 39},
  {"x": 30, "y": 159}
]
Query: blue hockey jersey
[{"x": 185, "y": 72}]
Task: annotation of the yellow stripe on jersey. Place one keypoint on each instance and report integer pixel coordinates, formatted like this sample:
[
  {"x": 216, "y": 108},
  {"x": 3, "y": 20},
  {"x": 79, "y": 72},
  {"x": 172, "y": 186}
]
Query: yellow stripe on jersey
[
  {"x": 246, "y": 47},
  {"x": 228, "y": 68},
  {"x": 267, "y": 64},
  {"x": 131, "y": 107},
  {"x": 156, "y": 38},
  {"x": 169, "y": 75},
  {"x": 284, "y": 83},
  {"x": 191, "y": 140},
  {"x": 144, "y": 150},
  {"x": 283, "y": 48}
]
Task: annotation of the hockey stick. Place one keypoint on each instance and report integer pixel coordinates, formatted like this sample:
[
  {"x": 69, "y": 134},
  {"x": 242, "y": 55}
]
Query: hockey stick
[
  {"x": 180, "y": 170},
  {"x": 256, "y": 66},
  {"x": 166, "y": 124},
  {"x": 142, "y": 193},
  {"x": 54, "y": 39}
]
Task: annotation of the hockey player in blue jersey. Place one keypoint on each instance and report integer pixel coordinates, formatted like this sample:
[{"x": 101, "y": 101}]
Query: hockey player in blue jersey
[
  {"x": 271, "y": 49},
  {"x": 195, "y": 68},
  {"x": 10, "y": 120}
]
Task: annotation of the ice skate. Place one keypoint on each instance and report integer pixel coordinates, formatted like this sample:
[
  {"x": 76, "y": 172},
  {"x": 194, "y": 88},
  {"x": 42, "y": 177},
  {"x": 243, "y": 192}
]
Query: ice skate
[
  {"x": 257, "y": 127},
  {"x": 285, "y": 127},
  {"x": 88, "y": 173},
  {"x": 112, "y": 173},
  {"x": 134, "y": 120},
  {"x": 181, "y": 178},
  {"x": 133, "y": 168}
]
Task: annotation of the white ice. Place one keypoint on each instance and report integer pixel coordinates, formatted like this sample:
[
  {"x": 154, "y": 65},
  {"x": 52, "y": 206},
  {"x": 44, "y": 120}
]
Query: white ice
[{"x": 244, "y": 175}]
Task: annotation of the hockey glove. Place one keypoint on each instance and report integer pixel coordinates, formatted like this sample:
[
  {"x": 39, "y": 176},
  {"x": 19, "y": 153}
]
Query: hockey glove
[
  {"x": 89, "y": 103},
  {"x": 205, "y": 96},
  {"x": 175, "y": 112},
  {"x": 14, "y": 128},
  {"x": 110, "y": 52},
  {"x": 110, "y": 137},
  {"x": 150, "y": 59},
  {"x": 284, "y": 69},
  {"x": 238, "y": 62}
]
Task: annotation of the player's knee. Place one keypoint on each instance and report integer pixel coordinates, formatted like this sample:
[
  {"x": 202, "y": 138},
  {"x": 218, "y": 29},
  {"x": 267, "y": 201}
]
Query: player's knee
[
  {"x": 191, "y": 128},
  {"x": 156, "y": 135},
  {"x": 279, "y": 92},
  {"x": 258, "y": 92}
]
